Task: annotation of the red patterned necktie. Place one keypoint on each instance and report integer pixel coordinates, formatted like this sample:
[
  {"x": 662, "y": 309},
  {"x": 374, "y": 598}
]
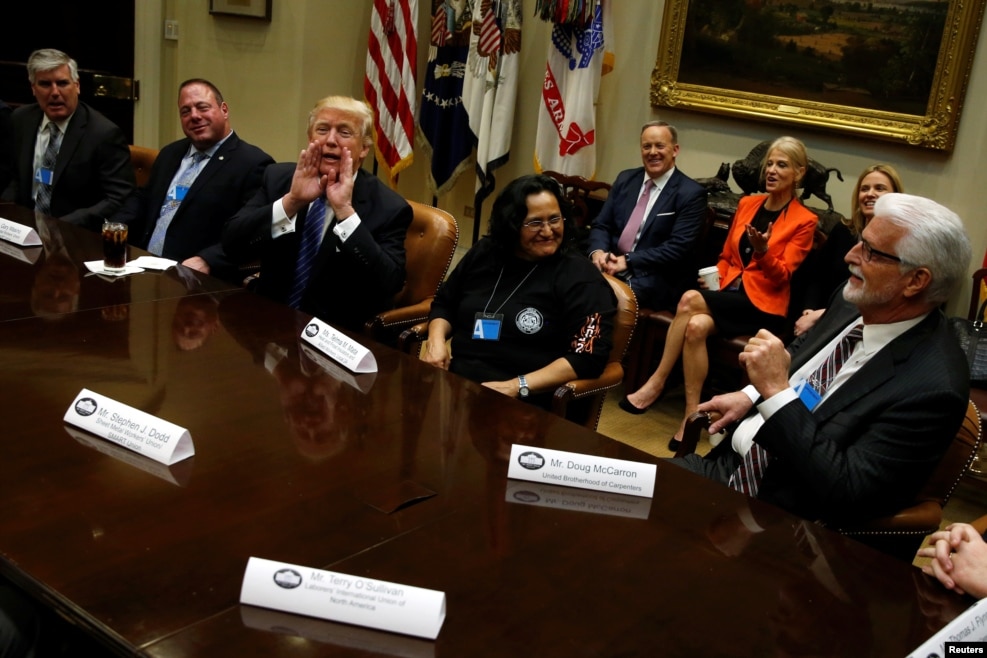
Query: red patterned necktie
[{"x": 747, "y": 477}]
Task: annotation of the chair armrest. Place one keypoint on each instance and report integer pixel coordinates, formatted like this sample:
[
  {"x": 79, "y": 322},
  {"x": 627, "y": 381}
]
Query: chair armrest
[
  {"x": 575, "y": 389},
  {"x": 399, "y": 317},
  {"x": 922, "y": 518},
  {"x": 411, "y": 339}
]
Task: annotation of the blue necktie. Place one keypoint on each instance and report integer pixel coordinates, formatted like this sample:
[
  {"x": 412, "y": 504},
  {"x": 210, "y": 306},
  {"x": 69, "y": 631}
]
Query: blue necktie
[
  {"x": 308, "y": 250},
  {"x": 156, "y": 244}
]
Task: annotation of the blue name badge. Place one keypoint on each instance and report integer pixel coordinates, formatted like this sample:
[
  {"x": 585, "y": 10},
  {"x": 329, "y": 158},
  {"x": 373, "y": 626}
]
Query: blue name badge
[
  {"x": 43, "y": 175},
  {"x": 807, "y": 394},
  {"x": 180, "y": 192},
  {"x": 487, "y": 327}
]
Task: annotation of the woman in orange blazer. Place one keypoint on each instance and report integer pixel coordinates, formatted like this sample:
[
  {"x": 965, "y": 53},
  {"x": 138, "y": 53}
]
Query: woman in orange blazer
[{"x": 770, "y": 236}]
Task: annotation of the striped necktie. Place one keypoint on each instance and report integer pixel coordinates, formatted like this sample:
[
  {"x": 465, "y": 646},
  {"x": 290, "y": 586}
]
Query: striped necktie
[
  {"x": 42, "y": 199},
  {"x": 747, "y": 477},
  {"x": 308, "y": 249}
]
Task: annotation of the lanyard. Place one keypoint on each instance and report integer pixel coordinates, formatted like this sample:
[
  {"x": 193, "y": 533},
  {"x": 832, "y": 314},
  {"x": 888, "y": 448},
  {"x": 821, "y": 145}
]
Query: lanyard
[{"x": 510, "y": 295}]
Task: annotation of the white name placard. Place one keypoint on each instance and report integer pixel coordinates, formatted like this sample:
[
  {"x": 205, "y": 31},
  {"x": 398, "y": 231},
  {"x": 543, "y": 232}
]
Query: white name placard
[
  {"x": 571, "y": 469},
  {"x": 177, "y": 474},
  {"x": 367, "y": 641},
  {"x": 132, "y": 428},
  {"x": 970, "y": 626},
  {"x": 339, "y": 346},
  {"x": 341, "y": 597},
  {"x": 24, "y": 236},
  {"x": 578, "y": 500},
  {"x": 363, "y": 382}
]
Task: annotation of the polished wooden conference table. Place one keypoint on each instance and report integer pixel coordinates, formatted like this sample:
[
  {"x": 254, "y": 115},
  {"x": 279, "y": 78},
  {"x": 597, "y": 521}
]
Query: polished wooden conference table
[{"x": 398, "y": 476}]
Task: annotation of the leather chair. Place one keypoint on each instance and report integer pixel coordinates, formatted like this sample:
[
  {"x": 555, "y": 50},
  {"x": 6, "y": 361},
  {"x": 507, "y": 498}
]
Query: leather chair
[
  {"x": 591, "y": 393},
  {"x": 902, "y": 533},
  {"x": 429, "y": 247},
  {"x": 142, "y": 158},
  {"x": 583, "y": 194},
  {"x": 579, "y": 400}
]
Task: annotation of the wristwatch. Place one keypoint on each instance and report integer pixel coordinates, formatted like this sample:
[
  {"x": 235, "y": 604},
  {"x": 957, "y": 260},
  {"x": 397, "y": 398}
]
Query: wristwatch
[{"x": 522, "y": 389}]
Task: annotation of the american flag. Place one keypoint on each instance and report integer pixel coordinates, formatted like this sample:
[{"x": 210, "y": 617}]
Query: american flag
[{"x": 390, "y": 82}]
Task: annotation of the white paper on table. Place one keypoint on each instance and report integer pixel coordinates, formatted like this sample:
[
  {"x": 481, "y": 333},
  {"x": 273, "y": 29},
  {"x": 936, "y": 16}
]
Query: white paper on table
[
  {"x": 132, "y": 428},
  {"x": 572, "y": 469},
  {"x": 342, "y": 597},
  {"x": 153, "y": 262},
  {"x": 96, "y": 267},
  {"x": 339, "y": 346},
  {"x": 19, "y": 234}
]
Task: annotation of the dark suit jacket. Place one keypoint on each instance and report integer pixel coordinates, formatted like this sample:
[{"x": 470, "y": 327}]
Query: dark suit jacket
[
  {"x": 347, "y": 287},
  {"x": 663, "y": 264},
  {"x": 866, "y": 450},
  {"x": 93, "y": 174},
  {"x": 225, "y": 184}
]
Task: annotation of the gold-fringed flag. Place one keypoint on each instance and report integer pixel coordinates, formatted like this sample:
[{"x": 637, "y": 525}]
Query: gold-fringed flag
[
  {"x": 579, "y": 53},
  {"x": 490, "y": 85}
]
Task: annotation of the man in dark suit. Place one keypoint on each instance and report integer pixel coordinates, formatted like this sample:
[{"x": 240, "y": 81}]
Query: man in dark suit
[
  {"x": 70, "y": 161},
  {"x": 196, "y": 185},
  {"x": 330, "y": 236},
  {"x": 861, "y": 446},
  {"x": 654, "y": 248}
]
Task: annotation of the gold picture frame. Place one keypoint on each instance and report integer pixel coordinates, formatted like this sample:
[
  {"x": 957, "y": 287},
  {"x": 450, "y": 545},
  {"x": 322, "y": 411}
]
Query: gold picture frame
[
  {"x": 247, "y": 8},
  {"x": 675, "y": 81}
]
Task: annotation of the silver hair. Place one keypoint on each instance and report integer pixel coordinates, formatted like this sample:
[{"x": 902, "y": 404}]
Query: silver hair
[
  {"x": 934, "y": 239},
  {"x": 49, "y": 59}
]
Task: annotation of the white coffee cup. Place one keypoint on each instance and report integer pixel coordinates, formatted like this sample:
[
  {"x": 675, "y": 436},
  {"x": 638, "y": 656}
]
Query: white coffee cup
[{"x": 711, "y": 275}]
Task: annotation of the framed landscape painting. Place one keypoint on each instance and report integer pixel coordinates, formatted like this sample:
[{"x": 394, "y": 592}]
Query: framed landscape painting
[{"x": 890, "y": 69}]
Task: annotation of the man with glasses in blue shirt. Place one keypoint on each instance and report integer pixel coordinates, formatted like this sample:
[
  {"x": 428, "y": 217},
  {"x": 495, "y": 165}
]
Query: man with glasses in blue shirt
[{"x": 849, "y": 422}]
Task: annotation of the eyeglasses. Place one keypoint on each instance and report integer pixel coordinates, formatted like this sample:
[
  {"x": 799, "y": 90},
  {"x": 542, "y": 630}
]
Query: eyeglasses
[
  {"x": 869, "y": 252},
  {"x": 537, "y": 224}
]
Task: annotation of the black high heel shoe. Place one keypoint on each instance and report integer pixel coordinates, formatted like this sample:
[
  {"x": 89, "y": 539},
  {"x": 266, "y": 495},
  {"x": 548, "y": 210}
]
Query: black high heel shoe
[{"x": 629, "y": 407}]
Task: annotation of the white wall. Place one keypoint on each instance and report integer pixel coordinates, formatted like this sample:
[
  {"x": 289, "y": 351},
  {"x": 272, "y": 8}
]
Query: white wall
[{"x": 271, "y": 74}]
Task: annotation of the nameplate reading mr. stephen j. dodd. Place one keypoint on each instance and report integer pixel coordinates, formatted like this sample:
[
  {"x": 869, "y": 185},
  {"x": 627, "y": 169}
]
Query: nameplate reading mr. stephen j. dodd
[
  {"x": 572, "y": 469},
  {"x": 132, "y": 428}
]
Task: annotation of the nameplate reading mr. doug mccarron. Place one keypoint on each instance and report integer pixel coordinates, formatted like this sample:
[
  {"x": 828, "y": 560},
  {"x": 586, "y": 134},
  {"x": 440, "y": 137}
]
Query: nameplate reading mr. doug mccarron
[
  {"x": 132, "y": 428},
  {"x": 341, "y": 597},
  {"x": 571, "y": 469},
  {"x": 339, "y": 346}
]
